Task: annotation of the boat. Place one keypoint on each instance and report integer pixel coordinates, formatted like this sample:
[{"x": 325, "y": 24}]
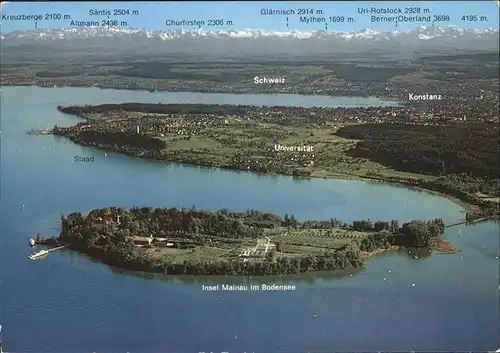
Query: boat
[{"x": 36, "y": 255}]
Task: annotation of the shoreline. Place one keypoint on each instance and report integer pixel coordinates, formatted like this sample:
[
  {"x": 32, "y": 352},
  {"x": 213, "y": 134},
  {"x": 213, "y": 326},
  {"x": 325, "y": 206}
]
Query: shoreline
[
  {"x": 466, "y": 207},
  {"x": 365, "y": 255},
  {"x": 391, "y": 101},
  {"x": 469, "y": 202}
]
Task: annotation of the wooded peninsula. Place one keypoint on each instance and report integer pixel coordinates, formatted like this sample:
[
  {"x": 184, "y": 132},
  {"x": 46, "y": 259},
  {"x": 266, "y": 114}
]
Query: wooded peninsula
[
  {"x": 427, "y": 149},
  {"x": 386, "y": 144},
  {"x": 192, "y": 241}
]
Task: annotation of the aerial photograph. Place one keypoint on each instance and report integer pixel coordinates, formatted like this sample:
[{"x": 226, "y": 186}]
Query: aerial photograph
[{"x": 249, "y": 177}]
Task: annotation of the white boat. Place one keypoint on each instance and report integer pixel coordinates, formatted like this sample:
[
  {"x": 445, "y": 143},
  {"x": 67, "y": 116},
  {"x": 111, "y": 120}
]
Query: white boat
[{"x": 38, "y": 254}]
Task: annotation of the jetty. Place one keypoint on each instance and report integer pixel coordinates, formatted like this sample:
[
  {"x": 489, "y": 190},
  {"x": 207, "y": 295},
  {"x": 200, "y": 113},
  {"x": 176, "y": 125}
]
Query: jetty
[
  {"x": 468, "y": 222},
  {"x": 44, "y": 252},
  {"x": 39, "y": 132},
  {"x": 55, "y": 249}
]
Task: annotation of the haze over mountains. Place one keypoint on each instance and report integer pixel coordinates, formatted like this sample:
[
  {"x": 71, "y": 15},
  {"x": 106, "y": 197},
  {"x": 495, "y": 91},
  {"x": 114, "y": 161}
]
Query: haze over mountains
[{"x": 244, "y": 43}]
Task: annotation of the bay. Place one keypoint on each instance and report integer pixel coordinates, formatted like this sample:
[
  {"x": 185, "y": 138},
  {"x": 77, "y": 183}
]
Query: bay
[{"x": 69, "y": 303}]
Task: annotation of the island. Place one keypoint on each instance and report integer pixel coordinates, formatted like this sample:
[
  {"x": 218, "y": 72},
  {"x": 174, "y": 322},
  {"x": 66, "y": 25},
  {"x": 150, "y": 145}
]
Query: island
[
  {"x": 192, "y": 241},
  {"x": 415, "y": 147}
]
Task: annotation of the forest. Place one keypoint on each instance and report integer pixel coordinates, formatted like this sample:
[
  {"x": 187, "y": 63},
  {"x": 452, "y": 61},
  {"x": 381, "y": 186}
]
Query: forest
[
  {"x": 96, "y": 139},
  {"x": 472, "y": 149},
  {"x": 370, "y": 73},
  {"x": 112, "y": 243},
  {"x": 157, "y": 109},
  {"x": 168, "y": 71}
]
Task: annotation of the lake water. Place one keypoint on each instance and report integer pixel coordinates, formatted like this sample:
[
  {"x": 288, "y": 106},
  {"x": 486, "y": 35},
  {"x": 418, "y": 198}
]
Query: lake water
[{"x": 67, "y": 303}]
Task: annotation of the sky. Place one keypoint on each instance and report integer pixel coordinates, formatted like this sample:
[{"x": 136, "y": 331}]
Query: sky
[{"x": 246, "y": 14}]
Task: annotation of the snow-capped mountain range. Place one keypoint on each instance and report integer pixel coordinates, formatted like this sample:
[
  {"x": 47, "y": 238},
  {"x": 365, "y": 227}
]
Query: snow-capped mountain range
[
  {"x": 245, "y": 43},
  {"x": 422, "y": 33}
]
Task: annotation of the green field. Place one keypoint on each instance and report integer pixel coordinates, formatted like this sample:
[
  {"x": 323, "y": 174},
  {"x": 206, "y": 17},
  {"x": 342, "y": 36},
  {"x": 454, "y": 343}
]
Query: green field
[
  {"x": 322, "y": 239},
  {"x": 254, "y": 142},
  {"x": 295, "y": 243},
  {"x": 198, "y": 254}
]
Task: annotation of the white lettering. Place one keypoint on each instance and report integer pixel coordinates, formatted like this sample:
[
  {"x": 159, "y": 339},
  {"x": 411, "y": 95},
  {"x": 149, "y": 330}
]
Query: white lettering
[
  {"x": 210, "y": 288},
  {"x": 233, "y": 288},
  {"x": 278, "y": 147},
  {"x": 275, "y": 287},
  {"x": 424, "y": 97},
  {"x": 260, "y": 80}
]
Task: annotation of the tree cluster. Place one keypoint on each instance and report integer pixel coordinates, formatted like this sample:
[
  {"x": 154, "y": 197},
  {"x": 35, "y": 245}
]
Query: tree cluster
[
  {"x": 342, "y": 259},
  {"x": 113, "y": 243},
  {"x": 411, "y": 234},
  {"x": 153, "y": 108},
  {"x": 133, "y": 140},
  {"x": 167, "y": 71},
  {"x": 436, "y": 150}
]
